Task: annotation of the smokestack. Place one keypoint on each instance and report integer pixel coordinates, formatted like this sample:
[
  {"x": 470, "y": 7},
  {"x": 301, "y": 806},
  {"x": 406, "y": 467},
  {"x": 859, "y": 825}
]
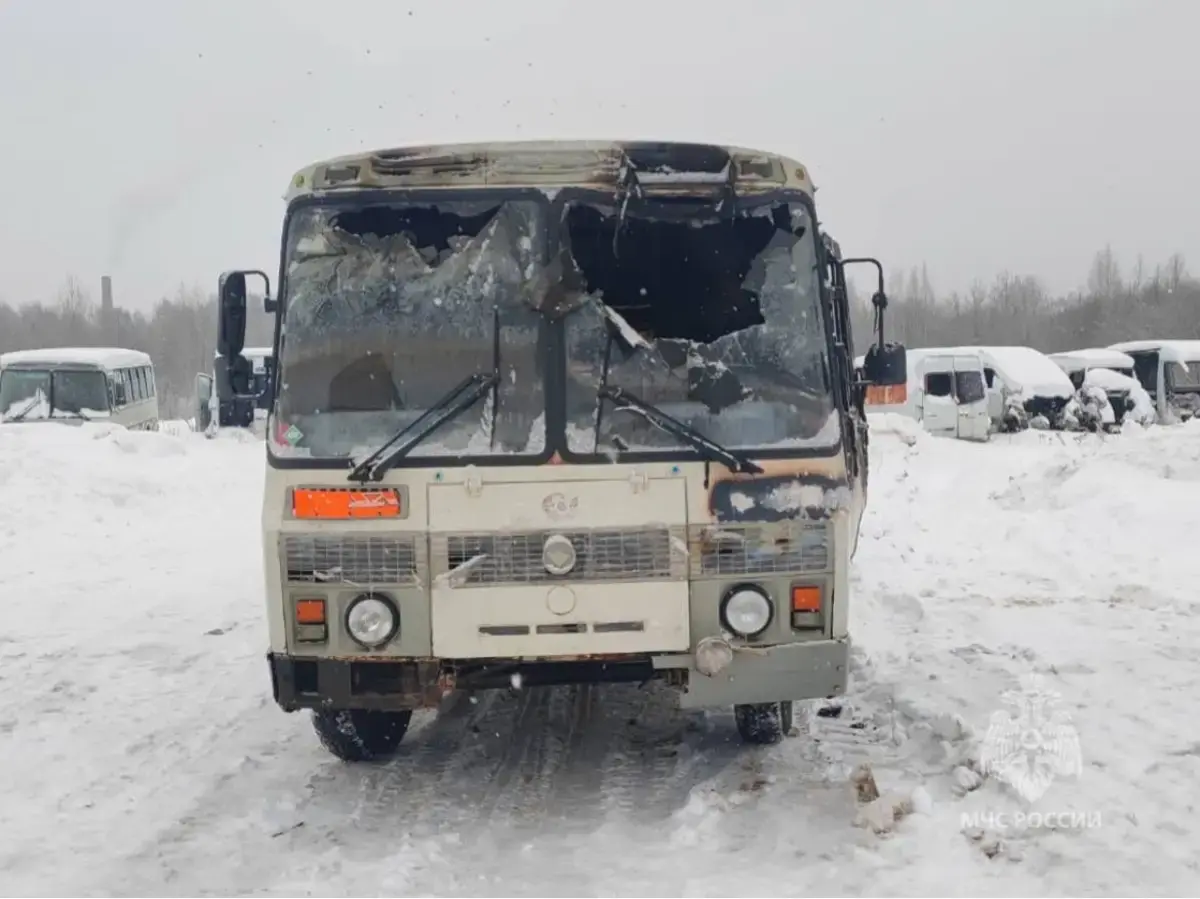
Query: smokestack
[{"x": 108, "y": 321}]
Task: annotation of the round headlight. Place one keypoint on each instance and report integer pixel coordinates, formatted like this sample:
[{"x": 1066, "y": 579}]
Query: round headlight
[
  {"x": 372, "y": 621},
  {"x": 558, "y": 555},
  {"x": 746, "y": 611}
]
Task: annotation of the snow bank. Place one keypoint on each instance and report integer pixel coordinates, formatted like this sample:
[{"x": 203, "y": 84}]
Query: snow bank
[
  {"x": 133, "y": 640},
  {"x": 1069, "y": 556},
  {"x": 907, "y": 430},
  {"x": 138, "y": 728}
]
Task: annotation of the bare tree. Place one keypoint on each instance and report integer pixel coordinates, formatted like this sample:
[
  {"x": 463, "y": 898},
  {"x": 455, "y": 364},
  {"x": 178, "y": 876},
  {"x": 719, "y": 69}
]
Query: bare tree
[
  {"x": 180, "y": 333},
  {"x": 1017, "y": 310}
]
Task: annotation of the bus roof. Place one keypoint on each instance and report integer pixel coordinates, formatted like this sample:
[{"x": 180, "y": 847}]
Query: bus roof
[
  {"x": 556, "y": 163},
  {"x": 251, "y": 352},
  {"x": 1184, "y": 351},
  {"x": 83, "y": 357}
]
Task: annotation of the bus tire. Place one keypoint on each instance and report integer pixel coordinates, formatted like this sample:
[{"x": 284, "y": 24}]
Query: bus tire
[
  {"x": 762, "y": 724},
  {"x": 360, "y": 735}
]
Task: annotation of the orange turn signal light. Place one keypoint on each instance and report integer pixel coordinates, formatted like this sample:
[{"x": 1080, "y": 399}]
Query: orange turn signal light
[
  {"x": 806, "y": 599},
  {"x": 342, "y": 503},
  {"x": 891, "y": 395},
  {"x": 310, "y": 611}
]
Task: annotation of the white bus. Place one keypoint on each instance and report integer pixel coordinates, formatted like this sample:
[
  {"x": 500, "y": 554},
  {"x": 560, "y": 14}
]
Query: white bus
[
  {"x": 77, "y": 384},
  {"x": 1170, "y": 372}
]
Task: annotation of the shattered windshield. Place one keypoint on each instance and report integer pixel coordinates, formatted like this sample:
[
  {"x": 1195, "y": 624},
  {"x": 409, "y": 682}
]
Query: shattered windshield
[
  {"x": 27, "y": 394},
  {"x": 715, "y": 318},
  {"x": 390, "y": 306},
  {"x": 1184, "y": 377}
]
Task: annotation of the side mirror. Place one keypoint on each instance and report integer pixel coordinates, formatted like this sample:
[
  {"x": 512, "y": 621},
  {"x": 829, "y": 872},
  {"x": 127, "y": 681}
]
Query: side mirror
[
  {"x": 886, "y": 366},
  {"x": 231, "y": 311}
]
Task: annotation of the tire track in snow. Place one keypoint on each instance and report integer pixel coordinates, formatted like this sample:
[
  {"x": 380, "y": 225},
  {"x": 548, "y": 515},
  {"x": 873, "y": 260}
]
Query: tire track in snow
[
  {"x": 544, "y": 790},
  {"x": 501, "y": 771},
  {"x": 639, "y": 777},
  {"x": 519, "y": 792},
  {"x": 415, "y": 788}
]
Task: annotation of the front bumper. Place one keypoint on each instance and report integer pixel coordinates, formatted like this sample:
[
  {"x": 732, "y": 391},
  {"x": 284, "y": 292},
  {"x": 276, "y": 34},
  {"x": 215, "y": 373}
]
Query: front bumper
[
  {"x": 817, "y": 669},
  {"x": 795, "y": 671}
]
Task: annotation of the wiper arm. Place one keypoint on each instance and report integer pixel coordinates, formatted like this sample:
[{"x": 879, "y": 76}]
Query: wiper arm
[
  {"x": 33, "y": 403},
  {"x": 707, "y": 448},
  {"x": 450, "y": 406}
]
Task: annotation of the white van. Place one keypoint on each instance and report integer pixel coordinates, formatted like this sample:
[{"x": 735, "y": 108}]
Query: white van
[
  {"x": 1169, "y": 370},
  {"x": 1112, "y": 372},
  {"x": 945, "y": 392},
  {"x": 76, "y": 384}
]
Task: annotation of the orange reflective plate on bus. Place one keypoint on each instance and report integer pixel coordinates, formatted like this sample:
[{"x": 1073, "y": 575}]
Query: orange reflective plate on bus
[
  {"x": 343, "y": 503},
  {"x": 890, "y": 395}
]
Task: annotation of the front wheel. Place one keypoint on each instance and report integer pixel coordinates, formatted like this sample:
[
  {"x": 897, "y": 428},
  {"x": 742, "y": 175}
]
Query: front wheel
[
  {"x": 763, "y": 723},
  {"x": 360, "y": 735}
]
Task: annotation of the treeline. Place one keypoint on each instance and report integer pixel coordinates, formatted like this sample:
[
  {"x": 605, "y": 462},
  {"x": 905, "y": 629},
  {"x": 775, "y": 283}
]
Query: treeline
[
  {"x": 180, "y": 333},
  {"x": 1115, "y": 305}
]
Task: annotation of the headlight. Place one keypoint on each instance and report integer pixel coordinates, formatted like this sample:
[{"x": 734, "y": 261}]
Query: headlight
[
  {"x": 558, "y": 555},
  {"x": 372, "y": 621},
  {"x": 746, "y": 611}
]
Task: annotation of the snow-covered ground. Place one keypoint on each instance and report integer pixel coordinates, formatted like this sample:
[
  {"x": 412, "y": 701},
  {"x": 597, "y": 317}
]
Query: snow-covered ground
[{"x": 140, "y": 751}]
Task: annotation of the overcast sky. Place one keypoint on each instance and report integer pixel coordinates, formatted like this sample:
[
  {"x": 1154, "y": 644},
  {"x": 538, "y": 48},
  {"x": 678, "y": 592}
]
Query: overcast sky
[{"x": 153, "y": 139}]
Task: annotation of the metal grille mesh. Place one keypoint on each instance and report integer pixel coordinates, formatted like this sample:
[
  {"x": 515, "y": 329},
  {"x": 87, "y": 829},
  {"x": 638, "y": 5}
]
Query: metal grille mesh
[
  {"x": 601, "y": 555},
  {"x": 351, "y": 559},
  {"x": 795, "y": 548}
]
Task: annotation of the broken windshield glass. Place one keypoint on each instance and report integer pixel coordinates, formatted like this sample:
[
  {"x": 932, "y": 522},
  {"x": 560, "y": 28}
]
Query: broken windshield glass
[
  {"x": 715, "y": 319},
  {"x": 390, "y": 306}
]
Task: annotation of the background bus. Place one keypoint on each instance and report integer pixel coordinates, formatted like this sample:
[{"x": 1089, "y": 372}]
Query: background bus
[{"x": 76, "y": 384}]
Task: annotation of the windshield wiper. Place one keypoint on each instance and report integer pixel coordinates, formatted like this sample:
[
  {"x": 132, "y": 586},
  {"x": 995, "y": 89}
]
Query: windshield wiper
[
  {"x": 33, "y": 404},
  {"x": 69, "y": 413},
  {"x": 453, "y": 404},
  {"x": 450, "y": 406},
  {"x": 711, "y": 450}
]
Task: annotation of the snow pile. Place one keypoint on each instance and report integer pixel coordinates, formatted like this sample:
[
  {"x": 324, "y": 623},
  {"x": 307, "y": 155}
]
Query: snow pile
[
  {"x": 1024, "y": 370},
  {"x": 906, "y": 429},
  {"x": 1074, "y": 360},
  {"x": 1106, "y": 379}
]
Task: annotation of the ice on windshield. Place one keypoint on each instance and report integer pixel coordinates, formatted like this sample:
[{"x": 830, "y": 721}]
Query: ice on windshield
[
  {"x": 391, "y": 307},
  {"x": 31, "y": 394},
  {"x": 717, "y": 324},
  {"x": 28, "y": 407}
]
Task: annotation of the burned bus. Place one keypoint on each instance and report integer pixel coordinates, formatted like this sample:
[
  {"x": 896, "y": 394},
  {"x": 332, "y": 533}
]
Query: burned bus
[{"x": 555, "y": 413}]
